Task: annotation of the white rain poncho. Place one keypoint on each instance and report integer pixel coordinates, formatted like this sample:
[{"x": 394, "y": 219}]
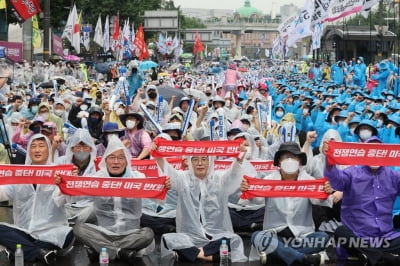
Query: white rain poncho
[
  {"x": 316, "y": 164},
  {"x": 80, "y": 208},
  {"x": 118, "y": 215},
  {"x": 202, "y": 214},
  {"x": 40, "y": 213}
]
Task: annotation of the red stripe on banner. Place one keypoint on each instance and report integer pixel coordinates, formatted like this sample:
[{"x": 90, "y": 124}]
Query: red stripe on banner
[
  {"x": 148, "y": 167},
  {"x": 32, "y": 174},
  {"x": 114, "y": 187},
  {"x": 168, "y": 148},
  {"x": 283, "y": 189},
  {"x": 348, "y": 153}
]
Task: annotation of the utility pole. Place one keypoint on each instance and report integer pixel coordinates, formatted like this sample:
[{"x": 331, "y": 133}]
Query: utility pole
[{"x": 46, "y": 34}]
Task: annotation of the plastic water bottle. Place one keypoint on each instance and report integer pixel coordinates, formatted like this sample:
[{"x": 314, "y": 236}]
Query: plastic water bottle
[
  {"x": 19, "y": 256},
  {"x": 223, "y": 254},
  {"x": 103, "y": 257}
]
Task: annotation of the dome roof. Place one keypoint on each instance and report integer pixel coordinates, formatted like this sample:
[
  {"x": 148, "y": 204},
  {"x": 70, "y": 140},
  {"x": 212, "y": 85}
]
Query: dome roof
[{"x": 247, "y": 10}]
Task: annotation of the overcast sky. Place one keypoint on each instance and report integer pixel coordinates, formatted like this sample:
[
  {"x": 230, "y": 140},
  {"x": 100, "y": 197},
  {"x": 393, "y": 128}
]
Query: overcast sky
[{"x": 266, "y": 6}]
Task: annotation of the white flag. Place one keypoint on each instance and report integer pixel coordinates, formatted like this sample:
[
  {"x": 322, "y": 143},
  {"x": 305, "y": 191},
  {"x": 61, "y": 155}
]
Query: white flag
[
  {"x": 301, "y": 26},
  {"x": 106, "y": 36},
  {"x": 69, "y": 27},
  {"x": 366, "y": 8},
  {"x": 316, "y": 36},
  {"x": 320, "y": 11},
  {"x": 98, "y": 33},
  {"x": 76, "y": 35}
]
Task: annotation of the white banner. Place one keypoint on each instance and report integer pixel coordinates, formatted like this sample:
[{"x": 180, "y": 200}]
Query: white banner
[
  {"x": 320, "y": 11},
  {"x": 342, "y": 8}
]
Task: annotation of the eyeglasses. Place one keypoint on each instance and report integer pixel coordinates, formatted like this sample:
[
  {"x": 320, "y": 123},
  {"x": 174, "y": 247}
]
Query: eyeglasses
[
  {"x": 197, "y": 160},
  {"x": 118, "y": 158}
]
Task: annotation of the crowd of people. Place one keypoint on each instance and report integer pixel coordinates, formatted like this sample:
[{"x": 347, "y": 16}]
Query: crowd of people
[{"x": 287, "y": 114}]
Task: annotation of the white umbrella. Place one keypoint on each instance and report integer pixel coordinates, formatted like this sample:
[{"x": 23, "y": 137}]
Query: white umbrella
[{"x": 196, "y": 94}]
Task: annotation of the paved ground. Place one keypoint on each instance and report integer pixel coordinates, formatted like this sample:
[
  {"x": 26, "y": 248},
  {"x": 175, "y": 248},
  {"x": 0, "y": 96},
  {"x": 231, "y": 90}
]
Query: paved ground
[{"x": 78, "y": 256}]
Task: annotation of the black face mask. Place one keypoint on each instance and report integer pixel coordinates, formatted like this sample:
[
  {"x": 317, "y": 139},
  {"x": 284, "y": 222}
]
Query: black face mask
[
  {"x": 175, "y": 138},
  {"x": 208, "y": 94},
  {"x": 152, "y": 95}
]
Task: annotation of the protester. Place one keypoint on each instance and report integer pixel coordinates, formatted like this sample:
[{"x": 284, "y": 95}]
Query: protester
[
  {"x": 118, "y": 219},
  {"x": 40, "y": 224}
]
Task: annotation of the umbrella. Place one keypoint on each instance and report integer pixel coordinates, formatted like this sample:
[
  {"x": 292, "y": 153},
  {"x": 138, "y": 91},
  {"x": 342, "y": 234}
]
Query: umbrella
[
  {"x": 167, "y": 92},
  {"x": 55, "y": 58},
  {"x": 146, "y": 65},
  {"x": 102, "y": 68},
  {"x": 174, "y": 67},
  {"x": 72, "y": 57},
  {"x": 196, "y": 94}
]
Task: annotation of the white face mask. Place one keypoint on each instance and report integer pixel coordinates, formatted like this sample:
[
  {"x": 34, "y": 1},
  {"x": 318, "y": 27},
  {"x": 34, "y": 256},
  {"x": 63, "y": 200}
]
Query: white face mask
[
  {"x": 59, "y": 112},
  {"x": 45, "y": 116},
  {"x": 365, "y": 134},
  {"x": 352, "y": 130},
  {"x": 290, "y": 166},
  {"x": 380, "y": 123},
  {"x": 130, "y": 124},
  {"x": 248, "y": 153},
  {"x": 279, "y": 113},
  {"x": 120, "y": 111},
  {"x": 84, "y": 107},
  {"x": 305, "y": 111}
]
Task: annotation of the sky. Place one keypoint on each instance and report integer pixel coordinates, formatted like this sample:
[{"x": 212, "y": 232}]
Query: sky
[{"x": 265, "y": 6}]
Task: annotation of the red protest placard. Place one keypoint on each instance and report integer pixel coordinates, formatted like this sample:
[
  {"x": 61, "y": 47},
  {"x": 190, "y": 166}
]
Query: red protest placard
[{"x": 278, "y": 188}]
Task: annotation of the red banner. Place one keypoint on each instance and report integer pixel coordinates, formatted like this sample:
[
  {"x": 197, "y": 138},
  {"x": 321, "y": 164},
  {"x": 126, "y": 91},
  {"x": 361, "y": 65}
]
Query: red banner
[
  {"x": 25, "y": 9},
  {"x": 57, "y": 45},
  {"x": 148, "y": 167},
  {"x": 168, "y": 148},
  {"x": 278, "y": 188},
  {"x": 260, "y": 166},
  {"x": 114, "y": 187},
  {"x": 348, "y": 153},
  {"x": 32, "y": 174}
]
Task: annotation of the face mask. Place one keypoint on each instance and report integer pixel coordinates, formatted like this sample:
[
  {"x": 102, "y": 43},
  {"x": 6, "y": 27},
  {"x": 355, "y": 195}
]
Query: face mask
[
  {"x": 333, "y": 120},
  {"x": 34, "y": 109},
  {"x": 390, "y": 97},
  {"x": 120, "y": 111},
  {"x": 305, "y": 111},
  {"x": 94, "y": 120},
  {"x": 152, "y": 95},
  {"x": 81, "y": 155},
  {"x": 352, "y": 130},
  {"x": 365, "y": 134},
  {"x": 59, "y": 112},
  {"x": 208, "y": 94},
  {"x": 45, "y": 116},
  {"x": 175, "y": 138},
  {"x": 130, "y": 124},
  {"x": 84, "y": 107},
  {"x": 279, "y": 114},
  {"x": 67, "y": 106},
  {"x": 380, "y": 123},
  {"x": 290, "y": 166},
  {"x": 358, "y": 62}
]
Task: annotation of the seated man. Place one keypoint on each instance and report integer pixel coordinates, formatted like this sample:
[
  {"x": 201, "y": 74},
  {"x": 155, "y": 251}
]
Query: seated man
[
  {"x": 40, "y": 224},
  {"x": 288, "y": 223},
  {"x": 80, "y": 152},
  {"x": 368, "y": 196},
  {"x": 202, "y": 214},
  {"x": 118, "y": 219}
]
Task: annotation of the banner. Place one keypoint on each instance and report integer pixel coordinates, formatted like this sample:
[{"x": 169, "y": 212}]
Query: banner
[
  {"x": 260, "y": 166},
  {"x": 57, "y": 45},
  {"x": 36, "y": 37},
  {"x": 25, "y": 9},
  {"x": 168, "y": 148},
  {"x": 301, "y": 26},
  {"x": 113, "y": 187},
  {"x": 32, "y": 174},
  {"x": 342, "y": 8},
  {"x": 14, "y": 50},
  {"x": 279, "y": 189},
  {"x": 348, "y": 153},
  {"x": 320, "y": 11}
]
